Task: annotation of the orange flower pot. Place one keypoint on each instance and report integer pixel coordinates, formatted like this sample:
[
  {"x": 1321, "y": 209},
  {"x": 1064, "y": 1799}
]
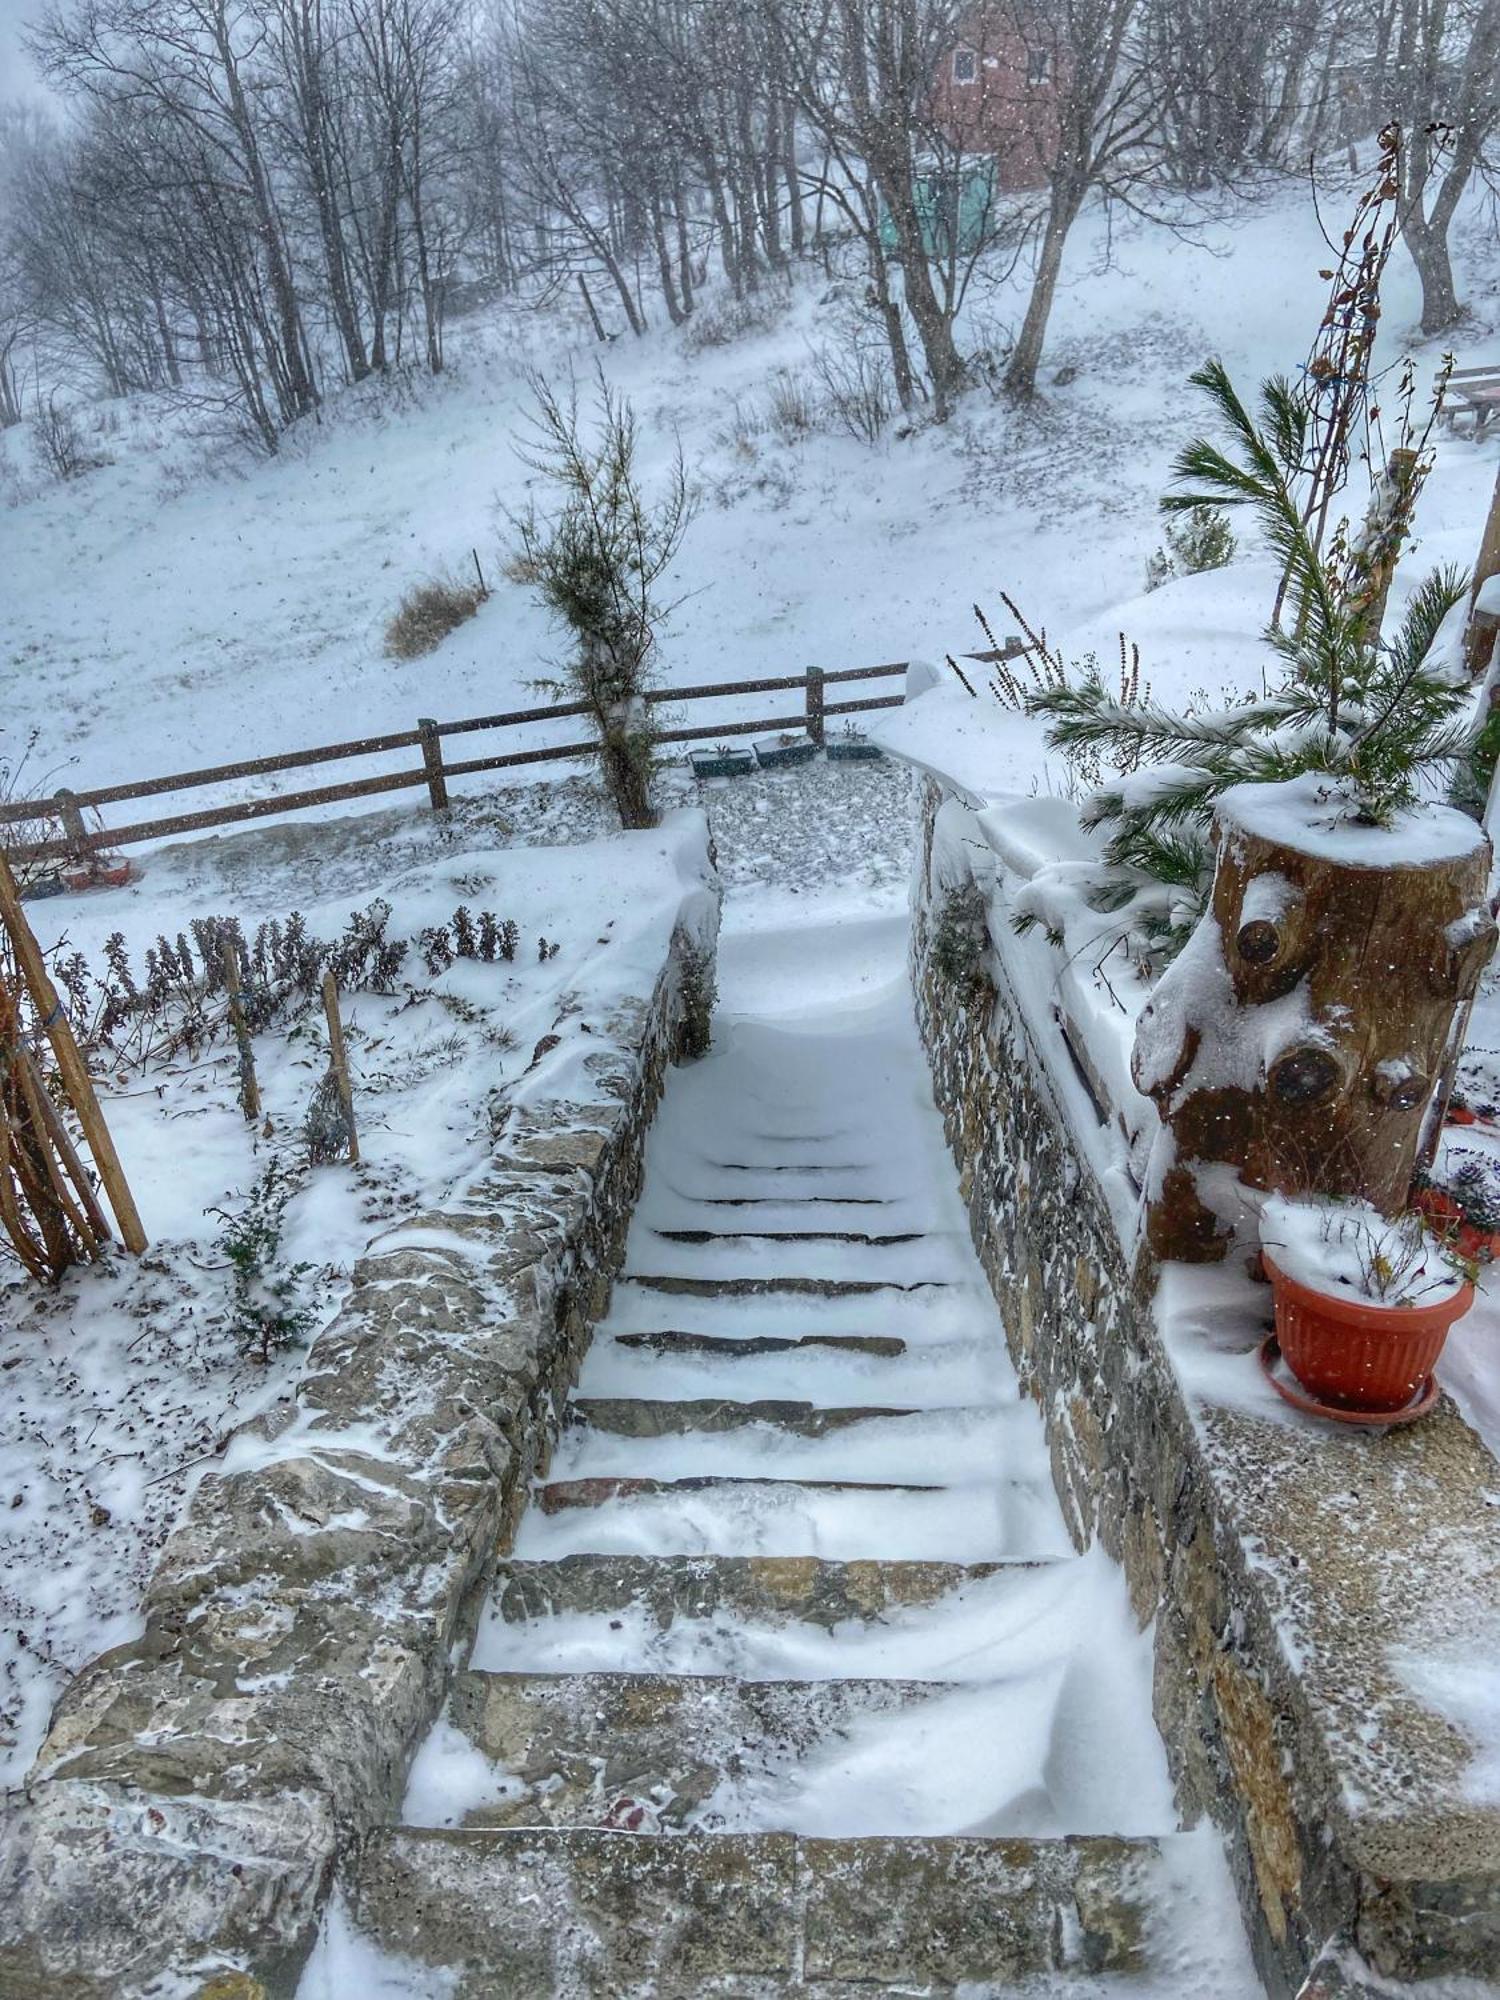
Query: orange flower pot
[
  {"x": 1446, "y": 1215},
  {"x": 1355, "y": 1354}
]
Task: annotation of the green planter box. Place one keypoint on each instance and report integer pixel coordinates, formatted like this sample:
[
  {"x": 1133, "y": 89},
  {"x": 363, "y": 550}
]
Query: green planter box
[
  {"x": 852, "y": 750},
  {"x": 773, "y": 753},
  {"x": 721, "y": 763}
]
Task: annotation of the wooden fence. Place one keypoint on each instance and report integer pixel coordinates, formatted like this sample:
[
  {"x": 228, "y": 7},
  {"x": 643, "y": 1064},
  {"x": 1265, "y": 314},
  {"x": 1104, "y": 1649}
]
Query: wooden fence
[{"x": 79, "y": 843}]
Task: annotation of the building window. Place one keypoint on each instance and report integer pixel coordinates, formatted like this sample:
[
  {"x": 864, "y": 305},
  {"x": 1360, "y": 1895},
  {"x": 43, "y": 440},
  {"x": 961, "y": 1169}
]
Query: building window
[
  {"x": 1038, "y": 67},
  {"x": 965, "y": 66}
]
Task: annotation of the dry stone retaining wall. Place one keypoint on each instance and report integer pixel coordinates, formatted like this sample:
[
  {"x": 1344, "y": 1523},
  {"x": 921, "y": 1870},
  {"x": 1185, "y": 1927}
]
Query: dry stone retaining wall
[
  {"x": 1287, "y": 1565},
  {"x": 182, "y": 1823}
]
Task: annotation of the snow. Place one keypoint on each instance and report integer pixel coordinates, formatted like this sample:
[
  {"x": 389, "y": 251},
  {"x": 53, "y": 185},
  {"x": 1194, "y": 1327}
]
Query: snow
[
  {"x": 1045, "y": 1729},
  {"x": 1317, "y": 815},
  {"x": 1348, "y": 1249},
  {"x": 122, "y": 1386},
  {"x": 173, "y": 610},
  {"x": 345, "y": 1964}
]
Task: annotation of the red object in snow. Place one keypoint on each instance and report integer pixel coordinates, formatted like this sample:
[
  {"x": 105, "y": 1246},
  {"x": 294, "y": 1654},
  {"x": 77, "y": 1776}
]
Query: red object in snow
[
  {"x": 1354, "y": 1354},
  {"x": 1445, "y": 1212},
  {"x": 113, "y": 873}
]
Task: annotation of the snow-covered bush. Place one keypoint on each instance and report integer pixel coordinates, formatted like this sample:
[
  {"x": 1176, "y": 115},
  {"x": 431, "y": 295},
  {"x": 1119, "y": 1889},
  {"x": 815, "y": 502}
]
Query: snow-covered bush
[
  {"x": 857, "y": 389},
  {"x": 178, "y": 999},
  {"x": 429, "y": 612},
  {"x": 1201, "y": 540},
  {"x": 267, "y": 1308},
  {"x": 792, "y": 408},
  {"x": 1472, "y": 1179},
  {"x": 59, "y": 442},
  {"x": 594, "y": 562},
  {"x": 726, "y": 319}
]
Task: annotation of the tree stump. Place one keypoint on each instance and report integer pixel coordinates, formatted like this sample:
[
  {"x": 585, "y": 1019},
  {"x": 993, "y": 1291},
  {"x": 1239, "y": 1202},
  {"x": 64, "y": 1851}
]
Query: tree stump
[{"x": 1295, "y": 1044}]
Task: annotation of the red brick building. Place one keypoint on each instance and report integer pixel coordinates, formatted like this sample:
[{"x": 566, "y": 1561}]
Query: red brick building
[{"x": 995, "y": 94}]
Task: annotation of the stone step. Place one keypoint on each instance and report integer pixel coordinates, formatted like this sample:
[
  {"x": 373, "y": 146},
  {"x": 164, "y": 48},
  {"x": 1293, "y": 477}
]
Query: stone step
[
  {"x": 588, "y": 1914},
  {"x": 561, "y": 1494},
  {"x": 649, "y": 1751},
  {"x": 768, "y": 1589},
  {"x": 790, "y": 1439},
  {"x": 986, "y": 1519},
  {"x": 789, "y": 1200},
  {"x": 755, "y": 1288},
  {"x": 680, "y": 1340},
  {"x": 861, "y": 1239},
  {"x": 648, "y": 1417}
]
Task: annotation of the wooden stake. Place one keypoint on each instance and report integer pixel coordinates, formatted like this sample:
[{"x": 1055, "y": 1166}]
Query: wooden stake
[
  {"x": 71, "y": 1066},
  {"x": 1479, "y": 638},
  {"x": 340, "y": 1059},
  {"x": 65, "y": 1174},
  {"x": 245, "y": 1048}
]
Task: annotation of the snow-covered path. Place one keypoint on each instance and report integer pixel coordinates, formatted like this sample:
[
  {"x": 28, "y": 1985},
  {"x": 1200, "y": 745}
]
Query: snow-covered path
[{"x": 797, "y": 1570}]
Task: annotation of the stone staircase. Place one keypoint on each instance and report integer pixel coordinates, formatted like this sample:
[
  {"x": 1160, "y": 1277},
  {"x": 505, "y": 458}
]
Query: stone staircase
[{"x": 793, "y": 1683}]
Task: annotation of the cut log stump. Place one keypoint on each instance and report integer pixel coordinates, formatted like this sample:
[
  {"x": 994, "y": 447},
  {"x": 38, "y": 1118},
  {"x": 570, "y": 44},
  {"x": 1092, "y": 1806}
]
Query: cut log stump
[{"x": 1300, "y": 1037}]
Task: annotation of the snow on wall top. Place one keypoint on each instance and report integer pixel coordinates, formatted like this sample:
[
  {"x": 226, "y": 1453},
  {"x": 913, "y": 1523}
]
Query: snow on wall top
[{"x": 970, "y": 742}]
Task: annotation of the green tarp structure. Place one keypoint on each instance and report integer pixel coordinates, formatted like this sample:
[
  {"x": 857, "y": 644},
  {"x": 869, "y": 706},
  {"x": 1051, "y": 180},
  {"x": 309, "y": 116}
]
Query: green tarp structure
[{"x": 950, "y": 199}]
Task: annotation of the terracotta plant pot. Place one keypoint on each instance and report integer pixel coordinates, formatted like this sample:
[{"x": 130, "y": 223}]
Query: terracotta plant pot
[
  {"x": 1355, "y": 1354},
  {"x": 1447, "y": 1216}
]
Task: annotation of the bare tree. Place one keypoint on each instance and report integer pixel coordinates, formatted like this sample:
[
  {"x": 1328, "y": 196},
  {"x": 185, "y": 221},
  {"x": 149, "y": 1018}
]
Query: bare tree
[
  {"x": 1098, "y": 131},
  {"x": 1443, "y": 93}
]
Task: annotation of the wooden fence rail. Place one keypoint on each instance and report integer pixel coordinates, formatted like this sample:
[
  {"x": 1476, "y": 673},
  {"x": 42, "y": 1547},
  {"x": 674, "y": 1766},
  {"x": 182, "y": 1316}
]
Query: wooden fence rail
[{"x": 78, "y": 842}]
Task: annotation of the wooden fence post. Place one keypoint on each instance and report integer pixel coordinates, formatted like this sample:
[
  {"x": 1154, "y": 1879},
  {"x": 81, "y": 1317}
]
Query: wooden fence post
[
  {"x": 70, "y": 1063},
  {"x": 74, "y": 831},
  {"x": 432, "y": 759},
  {"x": 339, "y": 1059},
  {"x": 244, "y": 1048},
  {"x": 816, "y": 727}
]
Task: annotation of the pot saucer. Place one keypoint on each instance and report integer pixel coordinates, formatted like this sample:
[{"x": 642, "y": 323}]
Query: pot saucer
[{"x": 1291, "y": 1391}]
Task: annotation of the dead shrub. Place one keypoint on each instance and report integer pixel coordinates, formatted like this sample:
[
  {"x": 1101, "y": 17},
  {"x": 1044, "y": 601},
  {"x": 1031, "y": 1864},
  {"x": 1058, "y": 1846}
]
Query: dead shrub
[{"x": 429, "y": 612}]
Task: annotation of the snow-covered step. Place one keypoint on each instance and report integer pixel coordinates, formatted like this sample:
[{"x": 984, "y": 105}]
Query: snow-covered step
[
  {"x": 861, "y": 1239},
  {"x": 945, "y": 1373},
  {"x": 577, "y": 1592},
  {"x": 645, "y": 1417},
  {"x": 976, "y": 1523},
  {"x": 787, "y": 1259},
  {"x": 714, "y": 1753},
  {"x": 593, "y": 1914},
  {"x": 924, "y": 1314},
  {"x": 678, "y": 1340},
  {"x": 556, "y": 1496},
  {"x": 793, "y": 1440},
  {"x": 778, "y": 1286}
]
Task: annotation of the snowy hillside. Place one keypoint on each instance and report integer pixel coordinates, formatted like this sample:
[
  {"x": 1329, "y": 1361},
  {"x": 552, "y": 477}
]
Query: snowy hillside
[{"x": 186, "y": 605}]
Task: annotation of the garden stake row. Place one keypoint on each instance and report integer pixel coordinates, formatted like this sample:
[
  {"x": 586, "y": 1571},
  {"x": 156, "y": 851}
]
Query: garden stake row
[{"x": 46, "y": 1205}]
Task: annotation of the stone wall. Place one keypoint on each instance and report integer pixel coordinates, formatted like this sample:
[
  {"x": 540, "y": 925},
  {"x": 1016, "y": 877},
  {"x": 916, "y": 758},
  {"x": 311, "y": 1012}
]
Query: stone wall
[
  {"x": 1286, "y": 1564},
  {"x": 184, "y": 1816}
]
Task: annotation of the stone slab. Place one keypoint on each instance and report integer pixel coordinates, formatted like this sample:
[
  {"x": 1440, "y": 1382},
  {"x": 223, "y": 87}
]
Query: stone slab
[
  {"x": 589, "y": 1915},
  {"x": 610, "y": 1749},
  {"x": 775, "y": 1589}
]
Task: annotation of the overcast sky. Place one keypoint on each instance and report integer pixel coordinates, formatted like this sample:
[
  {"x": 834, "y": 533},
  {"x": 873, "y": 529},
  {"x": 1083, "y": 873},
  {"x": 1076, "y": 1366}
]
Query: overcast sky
[{"x": 17, "y": 77}]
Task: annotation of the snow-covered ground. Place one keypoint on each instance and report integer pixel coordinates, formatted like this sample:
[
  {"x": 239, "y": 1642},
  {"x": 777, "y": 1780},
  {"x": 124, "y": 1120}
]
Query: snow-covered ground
[
  {"x": 119, "y": 1387},
  {"x": 184, "y": 605},
  {"x": 178, "y": 608}
]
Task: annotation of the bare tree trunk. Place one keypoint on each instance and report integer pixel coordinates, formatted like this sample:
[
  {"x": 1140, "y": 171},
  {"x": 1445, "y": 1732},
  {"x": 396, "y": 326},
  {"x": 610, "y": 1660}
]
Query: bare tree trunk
[{"x": 1020, "y": 375}]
